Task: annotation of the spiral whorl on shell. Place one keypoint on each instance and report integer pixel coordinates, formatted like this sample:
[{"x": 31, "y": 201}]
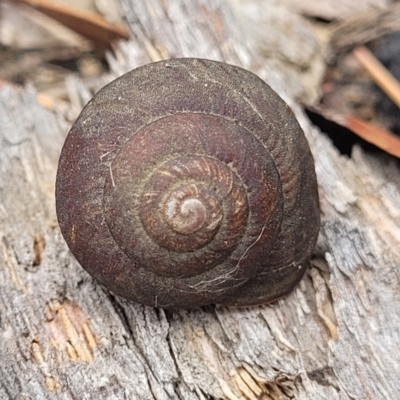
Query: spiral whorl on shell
[{"x": 188, "y": 182}]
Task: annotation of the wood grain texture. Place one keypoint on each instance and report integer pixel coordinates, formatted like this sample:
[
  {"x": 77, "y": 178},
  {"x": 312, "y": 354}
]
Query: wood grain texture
[{"x": 62, "y": 336}]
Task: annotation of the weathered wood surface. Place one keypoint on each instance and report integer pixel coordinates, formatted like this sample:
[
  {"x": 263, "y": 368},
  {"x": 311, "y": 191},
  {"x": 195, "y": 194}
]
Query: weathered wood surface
[{"x": 337, "y": 336}]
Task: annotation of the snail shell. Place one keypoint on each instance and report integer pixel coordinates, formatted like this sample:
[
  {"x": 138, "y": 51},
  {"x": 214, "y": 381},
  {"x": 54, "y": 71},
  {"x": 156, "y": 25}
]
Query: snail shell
[{"x": 188, "y": 182}]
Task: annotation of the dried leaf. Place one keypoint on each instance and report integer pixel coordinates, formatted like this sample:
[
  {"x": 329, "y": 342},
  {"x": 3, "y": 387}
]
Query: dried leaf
[{"x": 88, "y": 24}]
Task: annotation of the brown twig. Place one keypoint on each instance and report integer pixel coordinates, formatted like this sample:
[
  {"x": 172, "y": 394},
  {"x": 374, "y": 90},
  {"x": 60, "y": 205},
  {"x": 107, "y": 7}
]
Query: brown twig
[
  {"x": 379, "y": 137},
  {"x": 87, "y": 24},
  {"x": 382, "y": 77}
]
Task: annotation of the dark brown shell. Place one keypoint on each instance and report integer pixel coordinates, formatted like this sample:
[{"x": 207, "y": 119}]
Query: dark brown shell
[{"x": 188, "y": 182}]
